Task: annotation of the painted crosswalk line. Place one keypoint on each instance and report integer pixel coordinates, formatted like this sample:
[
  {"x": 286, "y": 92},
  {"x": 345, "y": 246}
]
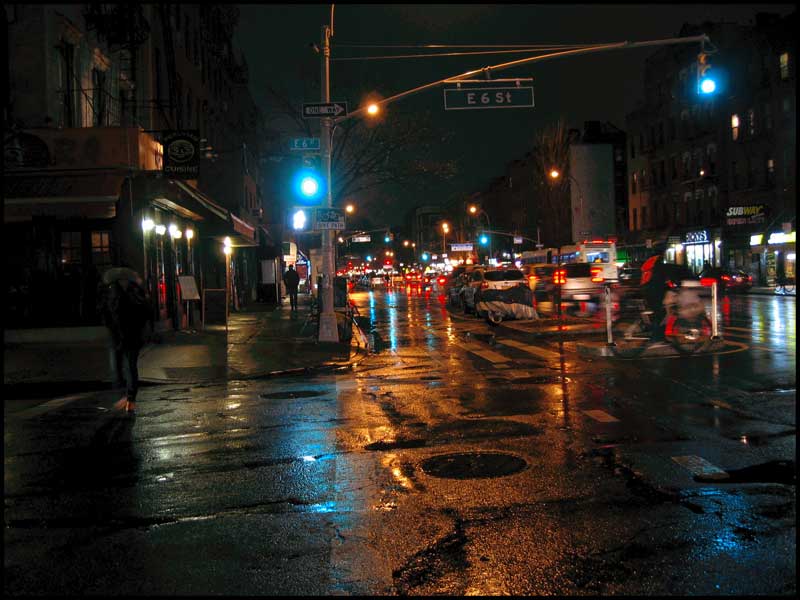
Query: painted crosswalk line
[
  {"x": 535, "y": 350},
  {"x": 600, "y": 415},
  {"x": 700, "y": 466}
]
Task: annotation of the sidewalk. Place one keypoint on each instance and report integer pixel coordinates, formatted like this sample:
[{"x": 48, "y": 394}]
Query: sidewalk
[
  {"x": 767, "y": 291},
  {"x": 261, "y": 341}
]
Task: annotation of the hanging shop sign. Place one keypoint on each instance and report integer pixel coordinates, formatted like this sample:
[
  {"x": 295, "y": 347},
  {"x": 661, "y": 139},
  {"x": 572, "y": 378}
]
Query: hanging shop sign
[
  {"x": 781, "y": 238},
  {"x": 746, "y": 215},
  {"x": 697, "y": 237},
  {"x": 181, "y": 154}
]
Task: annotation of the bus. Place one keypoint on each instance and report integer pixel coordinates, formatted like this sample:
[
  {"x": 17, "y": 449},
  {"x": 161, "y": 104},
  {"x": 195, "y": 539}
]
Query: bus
[{"x": 598, "y": 252}]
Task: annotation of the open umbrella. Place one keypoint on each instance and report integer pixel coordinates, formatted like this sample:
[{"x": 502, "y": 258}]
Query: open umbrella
[
  {"x": 121, "y": 274},
  {"x": 647, "y": 268}
]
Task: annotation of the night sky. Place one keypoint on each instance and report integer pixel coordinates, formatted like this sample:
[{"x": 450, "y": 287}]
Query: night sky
[{"x": 275, "y": 40}]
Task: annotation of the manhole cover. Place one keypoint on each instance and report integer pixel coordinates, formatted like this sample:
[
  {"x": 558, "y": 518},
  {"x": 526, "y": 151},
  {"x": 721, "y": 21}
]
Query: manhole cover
[
  {"x": 295, "y": 394},
  {"x": 473, "y": 465}
]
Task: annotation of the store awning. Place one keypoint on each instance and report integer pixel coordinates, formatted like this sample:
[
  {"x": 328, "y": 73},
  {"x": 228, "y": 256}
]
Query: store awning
[{"x": 90, "y": 195}]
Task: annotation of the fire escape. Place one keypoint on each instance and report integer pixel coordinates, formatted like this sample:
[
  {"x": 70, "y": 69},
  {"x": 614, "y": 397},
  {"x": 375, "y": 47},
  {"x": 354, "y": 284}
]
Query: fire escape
[{"x": 124, "y": 28}]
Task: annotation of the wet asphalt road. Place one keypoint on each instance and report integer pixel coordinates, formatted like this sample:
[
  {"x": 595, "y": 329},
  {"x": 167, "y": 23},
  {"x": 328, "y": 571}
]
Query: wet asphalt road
[{"x": 459, "y": 460}]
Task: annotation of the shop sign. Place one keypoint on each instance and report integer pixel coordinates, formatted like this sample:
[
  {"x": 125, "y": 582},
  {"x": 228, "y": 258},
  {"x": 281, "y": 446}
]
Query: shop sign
[
  {"x": 182, "y": 154},
  {"x": 746, "y": 215},
  {"x": 781, "y": 238},
  {"x": 673, "y": 239},
  {"x": 697, "y": 237},
  {"x": 755, "y": 240}
]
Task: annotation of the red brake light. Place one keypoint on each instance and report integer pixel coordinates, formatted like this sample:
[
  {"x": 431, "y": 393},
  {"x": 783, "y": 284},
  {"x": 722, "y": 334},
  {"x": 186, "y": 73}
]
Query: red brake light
[
  {"x": 408, "y": 277},
  {"x": 560, "y": 276},
  {"x": 707, "y": 281},
  {"x": 442, "y": 280},
  {"x": 484, "y": 285},
  {"x": 597, "y": 274},
  {"x": 427, "y": 280},
  {"x": 671, "y": 284},
  {"x": 532, "y": 279},
  {"x": 725, "y": 278}
]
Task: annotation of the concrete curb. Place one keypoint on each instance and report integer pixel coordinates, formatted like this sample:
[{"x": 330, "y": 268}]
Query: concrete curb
[{"x": 602, "y": 350}]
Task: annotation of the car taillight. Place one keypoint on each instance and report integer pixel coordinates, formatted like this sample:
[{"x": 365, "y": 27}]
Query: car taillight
[
  {"x": 484, "y": 285},
  {"x": 427, "y": 280},
  {"x": 707, "y": 281},
  {"x": 560, "y": 276},
  {"x": 749, "y": 278},
  {"x": 442, "y": 280},
  {"x": 725, "y": 278},
  {"x": 597, "y": 274},
  {"x": 408, "y": 277},
  {"x": 671, "y": 284},
  {"x": 532, "y": 279}
]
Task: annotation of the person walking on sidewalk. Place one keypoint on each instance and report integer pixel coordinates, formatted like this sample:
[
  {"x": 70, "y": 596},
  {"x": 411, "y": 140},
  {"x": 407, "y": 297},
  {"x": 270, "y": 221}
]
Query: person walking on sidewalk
[
  {"x": 291, "y": 280},
  {"x": 125, "y": 310}
]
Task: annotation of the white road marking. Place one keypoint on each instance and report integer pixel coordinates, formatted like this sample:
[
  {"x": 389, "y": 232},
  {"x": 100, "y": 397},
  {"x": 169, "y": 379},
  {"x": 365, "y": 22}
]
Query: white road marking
[
  {"x": 536, "y": 351},
  {"x": 600, "y": 415},
  {"x": 478, "y": 350},
  {"x": 700, "y": 466},
  {"x": 48, "y": 406}
]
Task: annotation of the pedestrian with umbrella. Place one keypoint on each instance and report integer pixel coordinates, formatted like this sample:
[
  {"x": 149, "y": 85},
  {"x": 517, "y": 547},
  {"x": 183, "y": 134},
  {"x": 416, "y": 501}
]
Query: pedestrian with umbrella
[{"x": 125, "y": 310}]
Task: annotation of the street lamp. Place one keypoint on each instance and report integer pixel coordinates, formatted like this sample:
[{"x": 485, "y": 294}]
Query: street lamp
[
  {"x": 476, "y": 210},
  {"x": 349, "y": 209},
  {"x": 577, "y": 233},
  {"x": 445, "y": 229}
]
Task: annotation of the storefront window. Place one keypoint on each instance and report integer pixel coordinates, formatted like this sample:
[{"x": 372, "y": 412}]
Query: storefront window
[
  {"x": 71, "y": 247},
  {"x": 101, "y": 249}
]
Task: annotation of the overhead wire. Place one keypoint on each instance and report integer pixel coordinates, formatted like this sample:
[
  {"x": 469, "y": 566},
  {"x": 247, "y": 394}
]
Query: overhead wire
[{"x": 439, "y": 54}]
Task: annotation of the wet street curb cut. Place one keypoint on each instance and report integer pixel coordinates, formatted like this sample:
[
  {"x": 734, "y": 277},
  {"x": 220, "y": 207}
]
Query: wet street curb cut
[{"x": 602, "y": 350}]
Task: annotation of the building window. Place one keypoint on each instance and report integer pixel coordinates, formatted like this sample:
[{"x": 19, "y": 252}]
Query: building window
[
  {"x": 769, "y": 172},
  {"x": 734, "y": 176},
  {"x": 734, "y": 127},
  {"x": 711, "y": 158},
  {"x": 101, "y": 249},
  {"x": 644, "y": 184},
  {"x": 751, "y": 122},
  {"x": 157, "y": 67},
  {"x": 67, "y": 70},
  {"x": 749, "y": 174},
  {"x": 662, "y": 180},
  {"x": 713, "y": 201},
  {"x": 671, "y": 128},
  {"x": 645, "y": 223},
  {"x": 698, "y": 162},
  {"x": 634, "y": 222},
  {"x": 687, "y": 165},
  {"x": 188, "y": 44},
  {"x": 767, "y": 117},
  {"x": 787, "y": 157},
  {"x": 633, "y": 183},
  {"x": 189, "y": 103},
  {"x": 784, "y": 62},
  {"x": 633, "y": 149},
  {"x": 786, "y": 104},
  {"x": 674, "y": 163},
  {"x": 98, "y": 98},
  {"x": 71, "y": 247}
]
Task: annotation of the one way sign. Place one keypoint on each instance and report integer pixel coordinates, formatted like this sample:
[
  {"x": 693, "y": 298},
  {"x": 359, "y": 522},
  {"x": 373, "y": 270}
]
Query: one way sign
[{"x": 329, "y": 109}]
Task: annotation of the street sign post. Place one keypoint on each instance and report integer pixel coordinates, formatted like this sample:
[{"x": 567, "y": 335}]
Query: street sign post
[
  {"x": 461, "y": 247},
  {"x": 361, "y": 238},
  {"x": 304, "y": 144},
  {"x": 488, "y": 97},
  {"x": 328, "y": 218},
  {"x": 324, "y": 109},
  {"x": 517, "y": 239}
]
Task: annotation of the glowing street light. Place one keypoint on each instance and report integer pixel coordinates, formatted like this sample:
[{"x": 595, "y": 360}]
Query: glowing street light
[
  {"x": 148, "y": 225},
  {"x": 373, "y": 109},
  {"x": 554, "y": 174},
  {"x": 349, "y": 209}
]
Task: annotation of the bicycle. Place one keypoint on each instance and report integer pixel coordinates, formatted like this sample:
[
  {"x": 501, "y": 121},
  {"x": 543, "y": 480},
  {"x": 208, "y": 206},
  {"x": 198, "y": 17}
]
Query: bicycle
[{"x": 687, "y": 328}]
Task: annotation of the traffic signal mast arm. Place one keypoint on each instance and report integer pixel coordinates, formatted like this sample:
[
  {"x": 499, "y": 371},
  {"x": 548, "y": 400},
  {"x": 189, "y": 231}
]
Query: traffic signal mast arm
[
  {"x": 703, "y": 39},
  {"x": 490, "y": 231}
]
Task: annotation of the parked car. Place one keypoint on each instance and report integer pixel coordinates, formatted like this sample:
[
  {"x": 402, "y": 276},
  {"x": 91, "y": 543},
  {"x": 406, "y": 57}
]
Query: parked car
[
  {"x": 502, "y": 279},
  {"x": 473, "y": 280},
  {"x": 727, "y": 280}
]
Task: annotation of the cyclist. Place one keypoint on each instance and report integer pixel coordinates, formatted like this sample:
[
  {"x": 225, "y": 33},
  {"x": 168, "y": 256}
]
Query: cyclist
[{"x": 653, "y": 284}]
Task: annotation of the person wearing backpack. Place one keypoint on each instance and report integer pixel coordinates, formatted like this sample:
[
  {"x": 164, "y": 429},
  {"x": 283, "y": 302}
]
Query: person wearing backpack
[{"x": 125, "y": 310}]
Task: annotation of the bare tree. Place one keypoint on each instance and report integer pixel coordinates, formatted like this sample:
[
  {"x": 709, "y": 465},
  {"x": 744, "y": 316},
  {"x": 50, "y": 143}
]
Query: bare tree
[
  {"x": 551, "y": 150},
  {"x": 368, "y": 154}
]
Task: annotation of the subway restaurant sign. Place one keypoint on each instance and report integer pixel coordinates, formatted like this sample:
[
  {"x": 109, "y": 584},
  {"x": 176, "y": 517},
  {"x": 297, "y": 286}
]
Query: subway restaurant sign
[{"x": 746, "y": 215}]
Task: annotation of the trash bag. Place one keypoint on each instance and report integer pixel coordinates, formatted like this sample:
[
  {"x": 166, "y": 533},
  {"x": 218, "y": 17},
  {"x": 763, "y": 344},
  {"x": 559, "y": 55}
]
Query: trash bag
[{"x": 511, "y": 303}]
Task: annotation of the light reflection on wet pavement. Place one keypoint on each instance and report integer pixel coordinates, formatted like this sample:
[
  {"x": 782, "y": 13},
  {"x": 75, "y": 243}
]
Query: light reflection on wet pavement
[{"x": 321, "y": 477}]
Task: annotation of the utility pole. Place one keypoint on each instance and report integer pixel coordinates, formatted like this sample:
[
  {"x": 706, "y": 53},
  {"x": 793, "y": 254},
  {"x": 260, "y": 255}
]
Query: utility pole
[{"x": 328, "y": 331}]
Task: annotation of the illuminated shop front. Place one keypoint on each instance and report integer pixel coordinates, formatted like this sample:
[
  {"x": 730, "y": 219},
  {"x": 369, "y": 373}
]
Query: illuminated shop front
[
  {"x": 776, "y": 254},
  {"x": 701, "y": 247}
]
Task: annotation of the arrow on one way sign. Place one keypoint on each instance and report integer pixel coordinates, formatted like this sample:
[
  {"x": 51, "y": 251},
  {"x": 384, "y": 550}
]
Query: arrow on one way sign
[{"x": 329, "y": 109}]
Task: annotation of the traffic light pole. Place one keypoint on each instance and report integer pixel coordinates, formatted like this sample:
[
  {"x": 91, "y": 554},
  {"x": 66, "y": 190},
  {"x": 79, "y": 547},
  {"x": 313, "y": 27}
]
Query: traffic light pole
[{"x": 328, "y": 331}]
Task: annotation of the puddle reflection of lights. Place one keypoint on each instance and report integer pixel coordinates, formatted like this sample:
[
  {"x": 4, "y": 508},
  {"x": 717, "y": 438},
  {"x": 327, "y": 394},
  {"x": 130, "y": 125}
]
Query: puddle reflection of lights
[
  {"x": 308, "y": 458},
  {"x": 232, "y": 405},
  {"x": 165, "y": 477},
  {"x": 324, "y": 507}
]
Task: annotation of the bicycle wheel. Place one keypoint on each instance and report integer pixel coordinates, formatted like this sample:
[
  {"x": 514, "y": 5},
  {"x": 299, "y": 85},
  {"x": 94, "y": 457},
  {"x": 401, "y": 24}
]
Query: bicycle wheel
[
  {"x": 630, "y": 338},
  {"x": 688, "y": 336}
]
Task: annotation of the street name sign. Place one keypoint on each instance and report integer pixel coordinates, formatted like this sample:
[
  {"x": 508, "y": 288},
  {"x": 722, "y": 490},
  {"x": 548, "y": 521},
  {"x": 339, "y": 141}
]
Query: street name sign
[
  {"x": 324, "y": 109},
  {"x": 328, "y": 218},
  {"x": 517, "y": 239},
  {"x": 362, "y": 238},
  {"x": 304, "y": 144},
  {"x": 461, "y": 247},
  {"x": 488, "y": 97}
]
